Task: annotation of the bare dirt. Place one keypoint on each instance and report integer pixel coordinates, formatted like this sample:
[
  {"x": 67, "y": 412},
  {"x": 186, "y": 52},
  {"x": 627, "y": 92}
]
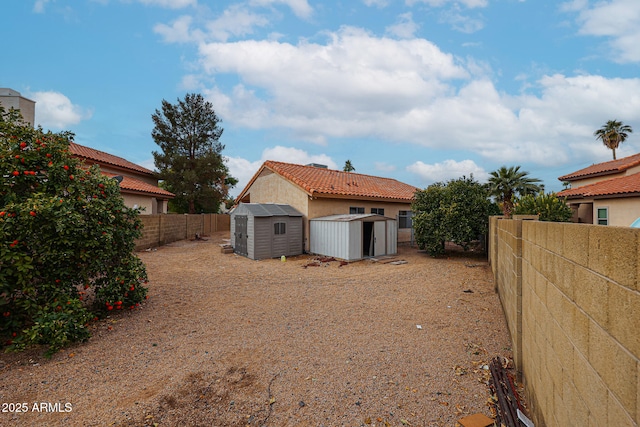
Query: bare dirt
[{"x": 227, "y": 341}]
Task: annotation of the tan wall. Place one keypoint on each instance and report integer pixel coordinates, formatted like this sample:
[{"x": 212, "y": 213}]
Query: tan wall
[
  {"x": 622, "y": 212},
  {"x": 576, "y": 332},
  {"x": 162, "y": 229},
  {"x": 143, "y": 202}
]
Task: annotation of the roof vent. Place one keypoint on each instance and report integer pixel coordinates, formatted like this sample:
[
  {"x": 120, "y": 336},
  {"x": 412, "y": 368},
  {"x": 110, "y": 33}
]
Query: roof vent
[{"x": 317, "y": 165}]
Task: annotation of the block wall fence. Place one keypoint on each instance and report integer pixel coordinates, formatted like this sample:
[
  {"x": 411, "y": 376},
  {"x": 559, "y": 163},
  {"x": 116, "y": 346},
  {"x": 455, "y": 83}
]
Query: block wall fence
[
  {"x": 161, "y": 229},
  {"x": 570, "y": 294}
]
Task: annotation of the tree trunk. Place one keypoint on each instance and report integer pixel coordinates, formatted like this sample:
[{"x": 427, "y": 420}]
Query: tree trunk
[{"x": 192, "y": 207}]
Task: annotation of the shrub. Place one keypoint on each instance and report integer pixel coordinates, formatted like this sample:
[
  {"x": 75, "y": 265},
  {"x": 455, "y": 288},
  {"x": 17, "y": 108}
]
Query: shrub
[
  {"x": 548, "y": 207},
  {"x": 67, "y": 241}
]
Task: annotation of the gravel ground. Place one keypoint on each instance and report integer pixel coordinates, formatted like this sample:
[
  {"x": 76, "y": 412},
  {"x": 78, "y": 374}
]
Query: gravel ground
[{"x": 228, "y": 341}]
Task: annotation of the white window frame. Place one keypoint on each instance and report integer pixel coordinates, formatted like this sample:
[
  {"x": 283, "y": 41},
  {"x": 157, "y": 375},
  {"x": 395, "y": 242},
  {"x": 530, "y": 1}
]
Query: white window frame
[{"x": 605, "y": 220}]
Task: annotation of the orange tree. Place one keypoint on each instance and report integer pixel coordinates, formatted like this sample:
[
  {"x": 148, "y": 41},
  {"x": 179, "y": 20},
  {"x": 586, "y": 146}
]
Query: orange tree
[{"x": 66, "y": 241}]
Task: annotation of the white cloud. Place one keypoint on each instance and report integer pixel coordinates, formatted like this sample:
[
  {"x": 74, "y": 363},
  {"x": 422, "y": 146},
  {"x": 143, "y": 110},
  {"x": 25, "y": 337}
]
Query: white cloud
[
  {"x": 300, "y": 8},
  {"x": 460, "y": 22},
  {"x": 447, "y": 170},
  {"x": 38, "y": 6},
  {"x": 235, "y": 21},
  {"x": 55, "y": 110},
  {"x": 377, "y": 3},
  {"x": 618, "y": 20},
  {"x": 177, "y": 32},
  {"x": 348, "y": 88},
  {"x": 404, "y": 28},
  {"x": 170, "y": 4},
  {"x": 243, "y": 169},
  {"x": 439, "y": 3}
]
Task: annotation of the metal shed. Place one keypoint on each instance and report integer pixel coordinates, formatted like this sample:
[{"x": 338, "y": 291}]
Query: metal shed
[
  {"x": 354, "y": 236},
  {"x": 266, "y": 230}
]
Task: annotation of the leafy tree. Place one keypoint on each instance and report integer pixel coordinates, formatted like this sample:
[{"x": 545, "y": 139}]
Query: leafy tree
[
  {"x": 457, "y": 211},
  {"x": 549, "y": 207},
  {"x": 191, "y": 164},
  {"x": 505, "y": 183},
  {"x": 612, "y": 134},
  {"x": 66, "y": 241},
  {"x": 348, "y": 167}
]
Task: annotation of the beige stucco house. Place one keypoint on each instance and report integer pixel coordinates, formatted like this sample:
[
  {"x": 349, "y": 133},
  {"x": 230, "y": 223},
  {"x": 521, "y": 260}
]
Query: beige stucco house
[
  {"x": 316, "y": 191},
  {"x": 138, "y": 186},
  {"x": 605, "y": 193}
]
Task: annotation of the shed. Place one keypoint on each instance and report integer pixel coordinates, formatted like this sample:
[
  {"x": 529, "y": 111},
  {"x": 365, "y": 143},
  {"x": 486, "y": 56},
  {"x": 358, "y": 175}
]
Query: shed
[
  {"x": 266, "y": 230},
  {"x": 354, "y": 236}
]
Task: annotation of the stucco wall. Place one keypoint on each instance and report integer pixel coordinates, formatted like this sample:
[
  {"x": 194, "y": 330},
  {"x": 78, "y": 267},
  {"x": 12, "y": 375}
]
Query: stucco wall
[
  {"x": 574, "y": 322},
  {"x": 622, "y": 212}
]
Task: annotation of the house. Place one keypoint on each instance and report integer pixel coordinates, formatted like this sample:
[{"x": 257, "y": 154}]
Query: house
[
  {"x": 316, "y": 191},
  {"x": 605, "y": 193},
  {"x": 138, "y": 186},
  {"x": 10, "y": 98}
]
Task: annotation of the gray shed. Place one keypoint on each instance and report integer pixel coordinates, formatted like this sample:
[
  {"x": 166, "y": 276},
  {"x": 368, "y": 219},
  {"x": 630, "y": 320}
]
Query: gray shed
[
  {"x": 266, "y": 230},
  {"x": 354, "y": 236}
]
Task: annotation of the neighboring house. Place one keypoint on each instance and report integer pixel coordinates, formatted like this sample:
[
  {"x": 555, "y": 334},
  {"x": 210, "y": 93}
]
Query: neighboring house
[
  {"x": 605, "y": 193},
  {"x": 138, "y": 187},
  {"x": 10, "y": 98},
  {"x": 316, "y": 191}
]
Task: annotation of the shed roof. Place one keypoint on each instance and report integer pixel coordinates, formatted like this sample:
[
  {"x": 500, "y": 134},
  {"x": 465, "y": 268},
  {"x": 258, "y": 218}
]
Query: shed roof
[{"x": 269, "y": 209}]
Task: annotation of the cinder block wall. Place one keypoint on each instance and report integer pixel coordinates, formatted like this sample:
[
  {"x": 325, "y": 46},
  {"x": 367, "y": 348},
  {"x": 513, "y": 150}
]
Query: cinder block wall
[
  {"x": 579, "y": 344},
  {"x": 162, "y": 228}
]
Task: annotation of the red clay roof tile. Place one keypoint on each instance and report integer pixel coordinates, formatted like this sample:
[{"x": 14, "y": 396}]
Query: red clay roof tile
[
  {"x": 605, "y": 168},
  {"x": 322, "y": 182},
  {"x": 108, "y": 159},
  {"x": 129, "y": 184},
  {"x": 624, "y": 185}
]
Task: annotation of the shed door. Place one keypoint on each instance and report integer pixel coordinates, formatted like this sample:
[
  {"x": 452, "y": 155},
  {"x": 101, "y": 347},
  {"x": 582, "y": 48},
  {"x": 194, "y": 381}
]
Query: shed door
[
  {"x": 241, "y": 235},
  {"x": 379, "y": 239}
]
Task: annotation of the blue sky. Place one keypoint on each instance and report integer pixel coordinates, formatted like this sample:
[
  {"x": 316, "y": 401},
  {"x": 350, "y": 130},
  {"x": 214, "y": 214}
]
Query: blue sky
[{"x": 417, "y": 90}]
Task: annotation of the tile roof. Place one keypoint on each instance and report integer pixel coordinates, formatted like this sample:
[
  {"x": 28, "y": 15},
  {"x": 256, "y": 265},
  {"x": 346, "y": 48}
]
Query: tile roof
[
  {"x": 605, "y": 168},
  {"x": 330, "y": 183},
  {"x": 621, "y": 186},
  {"x": 132, "y": 185},
  {"x": 108, "y": 159}
]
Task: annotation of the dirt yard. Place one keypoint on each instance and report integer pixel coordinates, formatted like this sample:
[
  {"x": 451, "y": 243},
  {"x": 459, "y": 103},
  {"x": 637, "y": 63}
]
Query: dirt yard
[{"x": 227, "y": 341}]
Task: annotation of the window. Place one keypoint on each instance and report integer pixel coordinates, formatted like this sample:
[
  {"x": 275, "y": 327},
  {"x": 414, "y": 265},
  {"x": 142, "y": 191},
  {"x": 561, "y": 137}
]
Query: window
[
  {"x": 356, "y": 210},
  {"x": 603, "y": 216},
  {"x": 378, "y": 211},
  {"x": 404, "y": 219},
  {"x": 279, "y": 228}
]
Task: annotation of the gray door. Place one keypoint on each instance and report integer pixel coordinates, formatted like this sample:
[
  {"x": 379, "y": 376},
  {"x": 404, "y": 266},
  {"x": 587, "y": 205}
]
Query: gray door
[{"x": 241, "y": 235}]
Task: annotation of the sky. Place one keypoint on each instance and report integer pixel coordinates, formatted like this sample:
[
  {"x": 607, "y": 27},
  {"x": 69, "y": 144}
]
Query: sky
[{"x": 422, "y": 91}]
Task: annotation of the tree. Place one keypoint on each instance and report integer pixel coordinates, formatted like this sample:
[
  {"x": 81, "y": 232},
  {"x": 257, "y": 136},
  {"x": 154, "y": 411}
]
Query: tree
[
  {"x": 457, "y": 211},
  {"x": 548, "y": 207},
  {"x": 505, "y": 183},
  {"x": 66, "y": 241},
  {"x": 612, "y": 134},
  {"x": 348, "y": 167},
  {"x": 191, "y": 164}
]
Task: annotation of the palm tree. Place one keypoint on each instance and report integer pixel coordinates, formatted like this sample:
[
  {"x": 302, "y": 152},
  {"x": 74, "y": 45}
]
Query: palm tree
[
  {"x": 612, "y": 134},
  {"x": 508, "y": 182},
  {"x": 348, "y": 167}
]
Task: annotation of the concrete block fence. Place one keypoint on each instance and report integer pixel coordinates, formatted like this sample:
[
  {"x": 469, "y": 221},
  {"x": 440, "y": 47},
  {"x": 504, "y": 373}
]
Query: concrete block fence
[
  {"x": 570, "y": 294},
  {"x": 161, "y": 229}
]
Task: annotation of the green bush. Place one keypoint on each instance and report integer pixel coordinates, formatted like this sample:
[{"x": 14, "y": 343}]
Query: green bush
[
  {"x": 66, "y": 241},
  {"x": 548, "y": 207}
]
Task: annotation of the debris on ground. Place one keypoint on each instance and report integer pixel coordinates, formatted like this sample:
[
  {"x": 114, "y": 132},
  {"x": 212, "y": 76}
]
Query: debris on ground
[
  {"x": 508, "y": 406},
  {"x": 322, "y": 261},
  {"x": 226, "y": 249},
  {"x": 476, "y": 420}
]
